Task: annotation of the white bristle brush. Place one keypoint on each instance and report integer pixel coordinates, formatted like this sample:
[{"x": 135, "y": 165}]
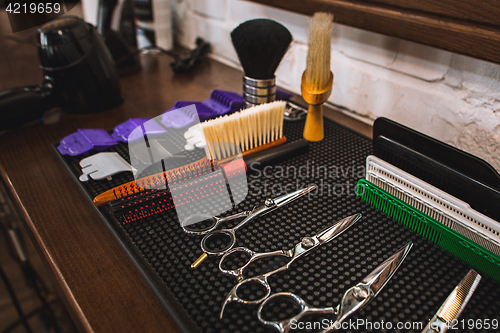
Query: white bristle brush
[{"x": 249, "y": 129}]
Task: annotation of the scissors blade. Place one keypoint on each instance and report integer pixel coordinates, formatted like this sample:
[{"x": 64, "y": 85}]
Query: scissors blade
[
  {"x": 330, "y": 232},
  {"x": 289, "y": 197},
  {"x": 455, "y": 303},
  {"x": 379, "y": 277},
  {"x": 358, "y": 296}
]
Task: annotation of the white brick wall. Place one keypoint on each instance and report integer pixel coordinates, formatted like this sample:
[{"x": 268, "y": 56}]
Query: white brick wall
[{"x": 448, "y": 96}]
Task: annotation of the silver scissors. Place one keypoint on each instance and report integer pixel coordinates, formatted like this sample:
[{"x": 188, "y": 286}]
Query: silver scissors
[
  {"x": 303, "y": 247},
  {"x": 269, "y": 205},
  {"x": 354, "y": 299}
]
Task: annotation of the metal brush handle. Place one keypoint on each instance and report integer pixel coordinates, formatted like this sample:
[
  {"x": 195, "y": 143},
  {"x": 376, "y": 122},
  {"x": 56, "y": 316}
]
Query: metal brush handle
[{"x": 256, "y": 91}]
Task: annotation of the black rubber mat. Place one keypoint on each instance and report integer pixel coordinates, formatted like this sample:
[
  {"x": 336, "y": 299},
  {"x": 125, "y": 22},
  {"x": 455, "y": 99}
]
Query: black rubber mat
[{"x": 162, "y": 252}]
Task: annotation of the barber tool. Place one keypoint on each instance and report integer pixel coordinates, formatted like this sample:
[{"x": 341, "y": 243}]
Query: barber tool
[
  {"x": 442, "y": 218},
  {"x": 454, "y": 305},
  {"x": 220, "y": 103},
  {"x": 446, "y": 195},
  {"x": 180, "y": 117},
  {"x": 443, "y": 207},
  {"x": 448, "y": 168},
  {"x": 291, "y": 253},
  {"x": 79, "y": 75},
  {"x": 247, "y": 129},
  {"x": 251, "y": 131},
  {"x": 353, "y": 300},
  {"x": 134, "y": 207},
  {"x": 141, "y": 204},
  {"x": 123, "y": 131},
  {"x": 155, "y": 182},
  {"x": 294, "y": 112},
  {"x": 103, "y": 166},
  {"x": 317, "y": 79},
  {"x": 302, "y": 248},
  {"x": 260, "y": 45},
  {"x": 211, "y": 234},
  {"x": 84, "y": 140}
]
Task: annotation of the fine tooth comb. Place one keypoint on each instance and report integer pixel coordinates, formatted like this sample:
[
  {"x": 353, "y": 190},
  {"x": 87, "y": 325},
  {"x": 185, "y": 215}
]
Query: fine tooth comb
[
  {"x": 440, "y": 192},
  {"x": 454, "y": 305},
  {"x": 263, "y": 130},
  {"x": 441, "y": 206}
]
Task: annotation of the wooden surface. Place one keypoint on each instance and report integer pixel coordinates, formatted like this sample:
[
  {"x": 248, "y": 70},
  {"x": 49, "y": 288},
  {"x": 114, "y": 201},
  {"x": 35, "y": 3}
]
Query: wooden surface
[
  {"x": 469, "y": 27},
  {"x": 99, "y": 285}
]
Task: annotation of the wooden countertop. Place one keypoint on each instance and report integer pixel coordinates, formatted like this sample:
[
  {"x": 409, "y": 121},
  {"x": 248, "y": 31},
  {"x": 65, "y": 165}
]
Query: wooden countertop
[{"x": 102, "y": 290}]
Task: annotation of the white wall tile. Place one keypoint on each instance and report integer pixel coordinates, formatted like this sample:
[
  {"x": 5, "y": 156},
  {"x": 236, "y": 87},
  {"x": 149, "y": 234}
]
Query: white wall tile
[{"x": 216, "y": 9}]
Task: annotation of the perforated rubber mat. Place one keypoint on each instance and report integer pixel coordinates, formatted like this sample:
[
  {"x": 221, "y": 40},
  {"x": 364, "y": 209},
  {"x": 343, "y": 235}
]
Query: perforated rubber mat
[{"x": 162, "y": 252}]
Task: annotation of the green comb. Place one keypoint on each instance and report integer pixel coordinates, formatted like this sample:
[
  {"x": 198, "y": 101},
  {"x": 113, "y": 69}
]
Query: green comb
[{"x": 469, "y": 251}]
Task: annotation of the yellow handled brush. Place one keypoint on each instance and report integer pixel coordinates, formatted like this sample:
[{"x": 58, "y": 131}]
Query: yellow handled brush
[{"x": 317, "y": 79}]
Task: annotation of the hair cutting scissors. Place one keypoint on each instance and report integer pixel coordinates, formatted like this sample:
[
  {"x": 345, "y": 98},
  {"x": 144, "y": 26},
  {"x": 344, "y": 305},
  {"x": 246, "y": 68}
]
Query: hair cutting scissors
[
  {"x": 211, "y": 234},
  {"x": 303, "y": 247},
  {"x": 354, "y": 299}
]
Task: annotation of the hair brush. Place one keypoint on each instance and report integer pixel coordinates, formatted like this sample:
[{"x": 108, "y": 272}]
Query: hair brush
[
  {"x": 317, "y": 79},
  {"x": 260, "y": 45},
  {"x": 149, "y": 202},
  {"x": 251, "y": 130}
]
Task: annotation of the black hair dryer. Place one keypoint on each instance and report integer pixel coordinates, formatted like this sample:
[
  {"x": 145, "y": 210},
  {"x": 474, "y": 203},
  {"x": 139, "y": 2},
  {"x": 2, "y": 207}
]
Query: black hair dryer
[{"x": 79, "y": 75}]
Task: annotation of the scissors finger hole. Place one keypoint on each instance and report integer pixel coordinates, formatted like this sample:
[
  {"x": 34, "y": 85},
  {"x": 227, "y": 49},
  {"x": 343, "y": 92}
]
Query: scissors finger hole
[
  {"x": 251, "y": 291},
  {"x": 198, "y": 223},
  {"x": 235, "y": 260},
  {"x": 217, "y": 242},
  {"x": 280, "y": 308}
]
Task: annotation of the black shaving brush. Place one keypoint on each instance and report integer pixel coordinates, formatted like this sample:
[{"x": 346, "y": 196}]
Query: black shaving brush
[{"x": 260, "y": 45}]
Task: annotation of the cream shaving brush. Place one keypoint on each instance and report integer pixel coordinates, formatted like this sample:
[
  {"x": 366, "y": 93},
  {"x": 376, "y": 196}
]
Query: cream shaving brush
[{"x": 317, "y": 79}]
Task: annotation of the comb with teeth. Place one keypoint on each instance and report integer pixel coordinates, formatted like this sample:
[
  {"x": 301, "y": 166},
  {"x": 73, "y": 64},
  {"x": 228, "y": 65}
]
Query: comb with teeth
[
  {"x": 249, "y": 131},
  {"x": 454, "y": 305}
]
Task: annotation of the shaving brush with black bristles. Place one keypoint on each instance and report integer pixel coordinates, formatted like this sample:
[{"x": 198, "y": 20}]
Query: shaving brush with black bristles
[{"x": 260, "y": 45}]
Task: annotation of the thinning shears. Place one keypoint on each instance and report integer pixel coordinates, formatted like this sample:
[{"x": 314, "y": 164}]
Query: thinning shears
[
  {"x": 212, "y": 234},
  {"x": 302, "y": 248},
  {"x": 354, "y": 299}
]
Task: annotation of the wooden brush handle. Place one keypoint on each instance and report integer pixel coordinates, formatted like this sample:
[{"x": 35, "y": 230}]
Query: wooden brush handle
[
  {"x": 313, "y": 130},
  {"x": 258, "y": 149}
]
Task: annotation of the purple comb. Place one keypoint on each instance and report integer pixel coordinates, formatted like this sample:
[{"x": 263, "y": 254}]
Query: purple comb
[
  {"x": 179, "y": 116},
  {"x": 122, "y": 131},
  {"x": 84, "y": 140},
  {"x": 125, "y": 131},
  {"x": 219, "y": 103},
  {"x": 149, "y": 128}
]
